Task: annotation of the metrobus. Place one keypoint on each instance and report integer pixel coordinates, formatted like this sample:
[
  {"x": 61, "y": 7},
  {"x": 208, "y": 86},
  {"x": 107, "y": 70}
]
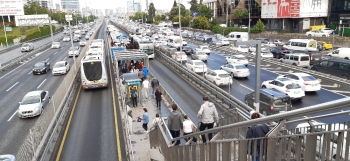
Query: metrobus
[
  {"x": 301, "y": 44},
  {"x": 143, "y": 45}
]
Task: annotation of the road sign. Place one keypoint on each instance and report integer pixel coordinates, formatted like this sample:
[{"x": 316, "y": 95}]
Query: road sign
[
  {"x": 69, "y": 17},
  {"x": 11, "y": 7},
  {"x": 8, "y": 28}
]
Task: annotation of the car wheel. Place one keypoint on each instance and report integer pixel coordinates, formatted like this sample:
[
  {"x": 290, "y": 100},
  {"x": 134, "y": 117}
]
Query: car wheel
[
  {"x": 323, "y": 35},
  {"x": 294, "y": 64},
  {"x": 246, "y": 102},
  {"x": 220, "y": 68},
  {"x": 264, "y": 113},
  {"x": 263, "y": 86},
  {"x": 345, "y": 77},
  {"x": 309, "y": 35},
  {"x": 41, "y": 111},
  {"x": 46, "y": 70},
  {"x": 346, "y": 58},
  {"x": 231, "y": 74}
]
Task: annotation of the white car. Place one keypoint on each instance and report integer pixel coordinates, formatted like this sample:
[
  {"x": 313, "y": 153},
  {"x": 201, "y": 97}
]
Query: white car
[
  {"x": 82, "y": 43},
  {"x": 327, "y": 30},
  {"x": 204, "y": 48},
  {"x": 218, "y": 77},
  {"x": 317, "y": 33},
  {"x": 74, "y": 51},
  {"x": 236, "y": 70},
  {"x": 200, "y": 55},
  {"x": 66, "y": 38},
  {"x": 225, "y": 42},
  {"x": 196, "y": 66},
  {"x": 240, "y": 48},
  {"x": 55, "y": 45},
  {"x": 306, "y": 81},
  {"x": 87, "y": 37},
  {"x": 287, "y": 86},
  {"x": 179, "y": 56},
  {"x": 237, "y": 59},
  {"x": 33, "y": 104},
  {"x": 184, "y": 43},
  {"x": 264, "y": 54},
  {"x": 61, "y": 67}
]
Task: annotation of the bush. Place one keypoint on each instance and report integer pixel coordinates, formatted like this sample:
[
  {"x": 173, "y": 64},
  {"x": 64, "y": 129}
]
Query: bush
[
  {"x": 259, "y": 26},
  {"x": 33, "y": 34},
  {"x": 9, "y": 39},
  {"x": 156, "y": 22},
  {"x": 226, "y": 30}
]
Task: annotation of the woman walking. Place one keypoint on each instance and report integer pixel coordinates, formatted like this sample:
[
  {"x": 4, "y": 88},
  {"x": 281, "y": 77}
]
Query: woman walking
[
  {"x": 145, "y": 120},
  {"x": 158, "y": 95},
  {"x": 256, "y": 131},
  {"x": 134, "y": 97}
]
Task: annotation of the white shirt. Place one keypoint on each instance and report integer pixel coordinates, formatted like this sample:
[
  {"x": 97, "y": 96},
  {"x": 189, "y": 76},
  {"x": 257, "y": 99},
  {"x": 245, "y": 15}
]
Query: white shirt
[
  {"x": 187, "y": 126},
  {"x": 145, "y": 84}
]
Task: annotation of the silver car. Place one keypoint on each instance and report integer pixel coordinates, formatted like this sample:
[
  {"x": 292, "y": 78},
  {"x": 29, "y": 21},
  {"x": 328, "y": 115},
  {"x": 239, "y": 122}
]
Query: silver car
[
  {"x": 55, "y": 45},
  {"x": 27, "y": 47},
  {"x": 33, "y": 104},
  {"x": 74, "y": 51}
]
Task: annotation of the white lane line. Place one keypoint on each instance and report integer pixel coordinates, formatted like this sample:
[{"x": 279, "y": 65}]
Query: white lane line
[
  {"x": 55, "y": 53},
  {"x": 11, "y": 87},
  {"x": 41, "y": 84},
  {"x": 47, "y": 59},
  {"x": 246, "y": 87},
  {"x": 11, "y": 116},
  {"x": 30, "y": 72},
  {"x": 333, "y": 91},
  {"x": 211, "y": 59},
  {"x": 64, "y": 58}
]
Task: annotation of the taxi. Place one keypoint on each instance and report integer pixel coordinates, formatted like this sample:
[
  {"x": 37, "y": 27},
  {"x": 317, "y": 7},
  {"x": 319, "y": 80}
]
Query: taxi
[{"x": 325, "y": 45}]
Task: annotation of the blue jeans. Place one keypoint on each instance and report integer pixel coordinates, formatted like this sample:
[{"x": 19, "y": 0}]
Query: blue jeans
[{"x": 257, "y": 158}]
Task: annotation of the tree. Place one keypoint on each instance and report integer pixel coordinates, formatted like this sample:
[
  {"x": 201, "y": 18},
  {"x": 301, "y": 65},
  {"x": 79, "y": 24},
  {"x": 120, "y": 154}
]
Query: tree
[
  {"x": 259, "y": 26},
  {"x": 175, "y": 4},
  {"x": 151, "y": 12},
  {"x": 32, "y": 8},
  {"x": 175, "y": 11},
  {"x": 201, "y": 22},
  {"x": 194, "y": 6},
  {"x": 201, "y": 2},
  {"x": 241, "y": 14},
  {"x": 185, "y": 20},
  {"x": 205, "y": 11}
]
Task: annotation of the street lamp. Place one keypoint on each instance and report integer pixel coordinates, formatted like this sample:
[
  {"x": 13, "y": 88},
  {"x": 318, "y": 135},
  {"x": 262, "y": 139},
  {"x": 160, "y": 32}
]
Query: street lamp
[
  {"x": 69, "y": 18},
  {"x": 227, "y": 12},
  {"x": 180, "y": 32},
  {"x": 257, "y": 69}
]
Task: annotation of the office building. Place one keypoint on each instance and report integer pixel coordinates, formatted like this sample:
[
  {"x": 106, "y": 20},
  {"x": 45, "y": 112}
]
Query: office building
[
  {"x": 133, "y": 6},
  {"x": 43, "y": 3},
  {"x": 70, "y": 6}
]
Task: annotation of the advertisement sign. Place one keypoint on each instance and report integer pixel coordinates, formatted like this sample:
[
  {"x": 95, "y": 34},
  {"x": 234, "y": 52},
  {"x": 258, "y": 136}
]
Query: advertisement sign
[
  {"x": 293, "y": 8},
  {"x": 11, "y": 7},
  {"x": 32, "y": 20},
  {"x": 8, "y": 28}
]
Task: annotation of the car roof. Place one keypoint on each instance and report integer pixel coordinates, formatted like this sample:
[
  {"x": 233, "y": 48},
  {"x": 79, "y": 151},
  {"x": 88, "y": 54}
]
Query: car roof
[
  {"x": 273, "y": 92},
  {"x": 34, "y": 93},
  {"x": 338, "y": 60},
  {"x": 239, "y": 56},
  {"x": 301, "y": 74},
  {"x": 236, "y": 64},
  {"x": 61, "y": 62},
  {"x": 285, "y": 80},
  {"x": 220, "y": 71}
]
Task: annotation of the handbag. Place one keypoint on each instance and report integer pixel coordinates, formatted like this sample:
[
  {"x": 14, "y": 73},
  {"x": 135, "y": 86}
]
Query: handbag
[{"x": 139, "y": 119}]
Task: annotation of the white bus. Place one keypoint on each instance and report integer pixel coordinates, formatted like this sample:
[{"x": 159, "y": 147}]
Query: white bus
[
  {"x": 301, "y": 44},
  {"x": 147, "y": 47},
  {"x": 93, "y": 70}
]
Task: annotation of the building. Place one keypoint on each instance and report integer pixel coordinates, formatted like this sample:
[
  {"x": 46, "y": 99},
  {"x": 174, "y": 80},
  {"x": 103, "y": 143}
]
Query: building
[
  {"x": 294, "y": 16},
  {"x": 70, "y": 6},
  {"x": 108, "y": 12},
  {"x": 133, "y": 6},
  {"x": 339, "y": 13},
  {"x": 43, "y": 3},
  {"x": 58, "y": 6},
  {"x": 221, "y": 10}
]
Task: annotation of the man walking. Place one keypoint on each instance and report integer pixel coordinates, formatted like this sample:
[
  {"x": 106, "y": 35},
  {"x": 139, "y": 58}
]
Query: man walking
[
  {"x": 175, "y": 123},
  {"x": 209, "y": 115},
  {"x": 155, "y": 84}
]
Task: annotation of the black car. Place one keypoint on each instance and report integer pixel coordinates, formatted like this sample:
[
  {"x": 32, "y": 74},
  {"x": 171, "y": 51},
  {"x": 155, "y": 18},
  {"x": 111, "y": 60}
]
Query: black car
[
  {"x": 41, "y": 67},
  {"x": 336, "y": 67},
  {"x": 189, "y": 50},
  {"x": 279, "y": 52},
  {"x": 271, "y": 101}
]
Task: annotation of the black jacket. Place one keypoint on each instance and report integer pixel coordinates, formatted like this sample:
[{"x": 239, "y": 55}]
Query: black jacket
[
  {"x": 158, "y": 95},
  {"x": 257, "y": 131}
]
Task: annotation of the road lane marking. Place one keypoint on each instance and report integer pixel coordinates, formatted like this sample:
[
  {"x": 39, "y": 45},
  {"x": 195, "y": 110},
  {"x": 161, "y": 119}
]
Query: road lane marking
[
  {"x": 55, "y": 53},
  {"x": 30, "y": 72},
  {"x": 12, "y": 116},
  {"x": 246, "y": 87},
  {"x": 64, "y": 58},
  {"x": 337, "y": 91},
  {"x": 11, "y": 87},
  {"x": 334, "y": 92},
  {"x": 67, "y": 127},
  {"x": 41, "y": 84},
  {"x": 47, "y": 59}
]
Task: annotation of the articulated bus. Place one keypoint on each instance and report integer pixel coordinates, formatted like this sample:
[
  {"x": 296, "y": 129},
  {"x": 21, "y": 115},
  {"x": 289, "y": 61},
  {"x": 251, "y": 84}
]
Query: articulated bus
[{"x": 143, "y": 45}]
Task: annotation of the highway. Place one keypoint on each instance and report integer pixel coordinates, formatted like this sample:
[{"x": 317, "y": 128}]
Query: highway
[
  {"x": 15, "y": 84},
  {"x": 5, "y": 57},
  {"x": 94, "y": 131}
]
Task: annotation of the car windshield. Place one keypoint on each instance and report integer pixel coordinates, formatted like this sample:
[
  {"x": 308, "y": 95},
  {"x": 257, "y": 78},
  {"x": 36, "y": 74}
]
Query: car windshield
[
  {"x": 55, "y": 43},
  {"x": 293, "y": 86},
  {"x": 241, "y": 67},
  {"x": 308, "y": 78},
  {"x": 204, "y": 47},
  {"x": 30, "y": 100},
  {"x": 243, "y": 46},
  {"x": 25, "y": 45},
  {"x": 198, "y": 63},
  {"x": 224, "y": 75},
  {"x": 241, "y": 58},
  {"x": 66, "y": 37},
  {"x": 58, "y": 65},
  {"x": 201, "y": 53},
  {"x": 40, "y": 64}
]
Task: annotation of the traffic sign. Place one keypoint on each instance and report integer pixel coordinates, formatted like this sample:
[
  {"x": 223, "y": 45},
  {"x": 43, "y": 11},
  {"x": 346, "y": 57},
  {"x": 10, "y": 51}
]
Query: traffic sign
[{"x": 68, "y": 17}]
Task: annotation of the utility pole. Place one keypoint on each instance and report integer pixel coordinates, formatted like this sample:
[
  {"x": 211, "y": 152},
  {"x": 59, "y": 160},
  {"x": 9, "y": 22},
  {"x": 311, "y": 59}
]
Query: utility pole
[
  {"x": 180, "y": 31},
  {"x": 226, "y": 13},
  {"x": 69, "y": 18},
  {"x": 51, "y": 29},
  {"x": 249, "y": 17}
]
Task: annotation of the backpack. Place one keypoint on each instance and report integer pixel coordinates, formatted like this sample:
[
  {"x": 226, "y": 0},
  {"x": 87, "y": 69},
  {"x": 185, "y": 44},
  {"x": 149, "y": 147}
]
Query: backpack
[{"x": 133, "y": 94}]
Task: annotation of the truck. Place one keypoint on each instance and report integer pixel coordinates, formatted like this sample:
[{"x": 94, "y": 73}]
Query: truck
[{"x": 238, "y": 36}]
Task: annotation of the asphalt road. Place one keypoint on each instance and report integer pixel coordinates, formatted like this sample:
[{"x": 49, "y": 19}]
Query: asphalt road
[
  {"x": 5, "y": 57},
  {"x": 14, "y": 85},
  {"x": 92, "y": 134}
]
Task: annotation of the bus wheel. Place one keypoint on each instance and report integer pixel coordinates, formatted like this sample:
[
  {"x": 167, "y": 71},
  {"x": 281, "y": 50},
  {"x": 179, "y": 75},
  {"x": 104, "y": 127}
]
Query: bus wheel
[{"x": 344, "y": 76}]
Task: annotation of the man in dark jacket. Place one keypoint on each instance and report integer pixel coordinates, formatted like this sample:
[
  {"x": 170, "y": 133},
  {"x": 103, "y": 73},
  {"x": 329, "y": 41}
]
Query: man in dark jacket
[
  {"x": 155, "y": 84},
  {"x": 175, "y": 121}
]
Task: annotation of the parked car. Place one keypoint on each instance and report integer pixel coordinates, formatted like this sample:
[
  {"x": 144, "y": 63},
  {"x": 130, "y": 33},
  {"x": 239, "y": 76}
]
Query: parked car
[
  {"x": 271, "y": 101},
  {"x": 74, "y": 51},
  {"x": 196, "y": 66},
  {"x": 264, "y": 53},
  {"x": 41, "y": 67},
  {"x": 236, "y": 70},
  {"x": 27, "y": 47},
  {"x": 287, "y": 86},
  {"x": 327, "y": 30},
  {"x": 76, "y": 39},
  {"x": 203, "y": 48},
  {"x": 238, "y": 59},
  {"x": 200, "y": 55},
  {"x": 218, "y": 77},
  {"x": 61, "y": 67},
  {"x": 33, "y": 104},
  {"x": 278, "y": 42},
  {"x": 317, "y": 33},
  {"x": 306, "y": 81},
  {"x": 87, "y": 37},
  {"x": 7, "y": 157},
  {"x": 55, "y": 45}
]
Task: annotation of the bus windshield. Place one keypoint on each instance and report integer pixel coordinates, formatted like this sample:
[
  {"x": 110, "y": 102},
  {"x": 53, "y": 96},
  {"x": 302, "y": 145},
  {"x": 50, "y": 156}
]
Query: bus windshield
[{"x": 93, "y": 70}]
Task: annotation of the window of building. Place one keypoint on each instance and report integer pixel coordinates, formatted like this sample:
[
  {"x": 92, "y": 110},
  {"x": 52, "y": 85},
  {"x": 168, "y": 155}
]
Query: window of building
[{"x": 274, "y": 24}]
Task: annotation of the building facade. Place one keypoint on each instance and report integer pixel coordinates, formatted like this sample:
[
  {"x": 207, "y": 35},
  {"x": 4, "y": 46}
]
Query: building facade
[
  {"x": 70, "y": 6},
  {"x": 339, "y": 13},
  {"x": 133, "y": 6},
  {"x": 43, "y": 3}
]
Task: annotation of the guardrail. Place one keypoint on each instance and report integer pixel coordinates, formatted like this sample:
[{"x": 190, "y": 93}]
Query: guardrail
[
  {"x": 281, "y": 64},
  {"x": 4, "y": 50},
  {"x": 15, "y": 61},
  {"x": 39, "y": 144}
]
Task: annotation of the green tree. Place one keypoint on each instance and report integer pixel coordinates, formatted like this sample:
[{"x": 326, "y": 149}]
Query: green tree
[
  {"x": 201, "y": 2},
  {"x": 151, "y": 12},
  {"x": 241, "y": 14},
  {"x": 185, "y": 20},
  {"x": 194, "y": 6},
  {"x": 201, "y": 22},
  {"x": 175, "y": 11},
  {"x": 32, "y": 8},
  {"x": 259, "y": 26},
  {"x": 175, "y": 4},
  {"x": 205, "y": 11}
]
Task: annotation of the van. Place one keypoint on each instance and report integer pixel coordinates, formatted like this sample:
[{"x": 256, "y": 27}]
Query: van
[
  {"x": 301, "y": 44},
  {"x": 238, "y": 36},
  {"x": 297, "y": 59},
  {"x": 343, "y": 53},
  {"x": 336, "y": 67}
]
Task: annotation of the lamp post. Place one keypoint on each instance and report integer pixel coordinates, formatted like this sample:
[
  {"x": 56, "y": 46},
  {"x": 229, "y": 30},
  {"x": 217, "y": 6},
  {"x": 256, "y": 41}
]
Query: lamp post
[
  {"x": 51, "y": 29},
  {"x": 257, "y": 69},
  {"x": 68, "y": 19},
  {"x": 226, "y": 13},
  {"x": 4, "y": 30},
  {"x": 249, "y": 17},
  {"x": 180, "y": 32}
]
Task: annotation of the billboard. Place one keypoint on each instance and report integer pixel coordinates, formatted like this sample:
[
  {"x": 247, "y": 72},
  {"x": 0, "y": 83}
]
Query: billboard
[
  {"x": 32, "y": 20},
  {"x": 11, "y": 7},
  {"x": 294, "y": 8}
]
